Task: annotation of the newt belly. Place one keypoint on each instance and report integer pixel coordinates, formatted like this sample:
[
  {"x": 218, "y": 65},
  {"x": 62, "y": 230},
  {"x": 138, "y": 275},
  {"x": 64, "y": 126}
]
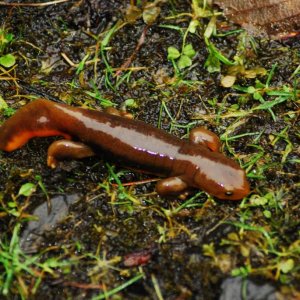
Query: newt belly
[{"x": 194, "y": 163}]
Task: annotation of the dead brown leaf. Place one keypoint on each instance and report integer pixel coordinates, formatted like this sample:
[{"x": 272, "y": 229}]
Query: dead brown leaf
[{"x": 274, "y": 18}]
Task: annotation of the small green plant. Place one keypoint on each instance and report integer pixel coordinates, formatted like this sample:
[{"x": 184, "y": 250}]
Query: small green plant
[
  {"x": 16, "y": 266},
  {"x": 123, "y": 196},
  {"x": 3, "y": 104},
  {"x": 6, "y": 60},
  {"x": 97, "y": 95},
  {"x": 215, "y": 58},
  {"x": 260, "y": 91},
  {"x": 119, "y": 288},
  {"x": 183, "y": 59},
  {"x": 8, "y": 112}
]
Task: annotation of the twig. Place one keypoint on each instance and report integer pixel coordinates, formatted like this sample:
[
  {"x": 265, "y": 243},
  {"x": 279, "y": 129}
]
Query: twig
[
  {"x": 68, "y": 60},
  {"x": 83, "y": 285},
  {"x": 129, "y": 60},
  {"x": 33, "y": 4},
  {"x": 138, "y": 182}
]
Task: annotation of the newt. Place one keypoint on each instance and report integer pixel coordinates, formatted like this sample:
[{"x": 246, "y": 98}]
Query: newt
[{"x": 194, "y": 163}]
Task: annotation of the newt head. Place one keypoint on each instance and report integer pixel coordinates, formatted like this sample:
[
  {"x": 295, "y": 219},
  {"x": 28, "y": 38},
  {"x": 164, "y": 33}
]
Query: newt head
[{"x": 222, "y": 177}]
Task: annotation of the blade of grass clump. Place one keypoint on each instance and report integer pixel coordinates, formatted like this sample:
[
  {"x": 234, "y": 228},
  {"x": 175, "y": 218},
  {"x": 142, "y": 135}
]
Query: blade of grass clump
[
  {"x": 230, "y": 32},
  {"x": 296, "y": 72},
  {"x": 256, "y": 94},
  {"x": 271, "y": 74},
  {"x": 156, "y": 287},
  {"x": 121, "y": 79},
  {"x": 97, "y": 95},
  {"x": 103, "y": 49},
  {"x": 14, "y": 261},
  {"x": 269, "y": 104},
  {"x": 260, "y": 152},
  {"x": 238, "y": 136},
  {"x": 289, "y": 147},
  {"x": 173, "y": 27},
  {"x": 122, "y": 192},
  {"x": 188, "y": 203},
  {"x": 119, "y": 288},
  {"x": 259, "y": 229},
  {"x": 17, "y": 265}
]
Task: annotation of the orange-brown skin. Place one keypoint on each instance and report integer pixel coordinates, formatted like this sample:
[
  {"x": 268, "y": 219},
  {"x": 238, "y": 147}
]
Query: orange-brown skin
[{"x": 185, "y": 163}]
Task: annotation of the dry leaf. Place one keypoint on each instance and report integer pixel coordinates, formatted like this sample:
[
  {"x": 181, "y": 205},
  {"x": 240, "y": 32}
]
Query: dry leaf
[
  {"x": 228, "y": 81},
  {"x": 273, "y": 18},
  {"x": 133, "y": 13},
  {"x": 232, "y": 72}
]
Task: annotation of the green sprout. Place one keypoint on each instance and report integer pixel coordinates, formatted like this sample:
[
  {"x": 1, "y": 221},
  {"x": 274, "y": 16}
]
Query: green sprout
[
  {"x": 183, "y": 59},
  {"x": 6, "y": 60}
]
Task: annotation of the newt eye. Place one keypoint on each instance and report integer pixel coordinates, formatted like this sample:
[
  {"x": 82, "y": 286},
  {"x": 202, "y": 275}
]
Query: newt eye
[{"x": 228, "y": 193}]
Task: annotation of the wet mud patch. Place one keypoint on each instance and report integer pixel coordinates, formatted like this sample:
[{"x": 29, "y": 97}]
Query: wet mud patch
[{"x": 94, "y": 230}]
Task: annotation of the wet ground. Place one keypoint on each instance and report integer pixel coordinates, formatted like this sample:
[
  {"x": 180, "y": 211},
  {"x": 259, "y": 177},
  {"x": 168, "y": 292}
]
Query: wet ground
[{"x": 89, "y": 229}]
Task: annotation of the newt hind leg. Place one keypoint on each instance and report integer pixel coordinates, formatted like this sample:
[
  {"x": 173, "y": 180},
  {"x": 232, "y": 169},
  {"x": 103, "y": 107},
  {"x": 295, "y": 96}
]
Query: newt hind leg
[
  {"x": 121, "y": 113},
  {"x": 204, "y": 137},
  {"x": 171, "y": 186},
  {"x": 66, "y": 149}
]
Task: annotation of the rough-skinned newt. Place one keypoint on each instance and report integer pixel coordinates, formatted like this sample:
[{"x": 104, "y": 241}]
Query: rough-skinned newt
[{"x": 194, "y": 163}]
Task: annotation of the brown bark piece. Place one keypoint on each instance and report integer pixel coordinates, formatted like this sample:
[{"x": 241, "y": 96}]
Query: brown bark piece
[{"x": 273, "y": 18}]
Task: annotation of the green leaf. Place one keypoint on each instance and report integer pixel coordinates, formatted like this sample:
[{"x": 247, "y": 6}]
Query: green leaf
[
  {"x": 242, "y": 271},
  {"x": 193, "y": 26},
  {"x": 251, "y": 90},
  {"x": 287, "y": 265},
  {"x": 81, "y": 64},
  {"x": 27, "y": 189},
  {"x": 280, "y": 93},
  {"x": 11, "y": 204},
  {"x": 7, "y": 60},
  {"x": 9, "y": 37},
  {"x": 104, "y": 102},
  {"x": 216, "y": 53},
  {"x": 8, "y": 112},
  {"x": 241, "y": 88},
  {"x": 184, "y": 62},
  {"x": 131, "y": 103},
  {"x": 189, "y": 51},
  {"x": 210, "y": 28},
  {"x": 258, "y": 96},
  {"x": 258, "y": 200},
  {"x": 212, "y": 64},
  {"x": 267, "y": 214},
  {"x": 3, "y": 104},
  {"x": 150, "y": 13},
  {"x": 108, "y": 36},
  {"x": 173, "y": 53},
  {"x": 270, "y": 104}
]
